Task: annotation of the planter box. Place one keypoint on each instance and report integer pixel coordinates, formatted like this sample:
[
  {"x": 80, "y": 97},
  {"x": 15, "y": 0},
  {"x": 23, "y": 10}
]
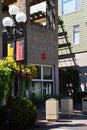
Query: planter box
[
  {"x": 52, "y": 109},
  {"x": 66, "y": 106},
  {"x": 84, "y": 104}
]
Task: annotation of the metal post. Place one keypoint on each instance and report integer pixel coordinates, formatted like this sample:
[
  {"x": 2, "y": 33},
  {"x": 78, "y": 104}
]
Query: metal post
[{"x": 0, "y": 18}]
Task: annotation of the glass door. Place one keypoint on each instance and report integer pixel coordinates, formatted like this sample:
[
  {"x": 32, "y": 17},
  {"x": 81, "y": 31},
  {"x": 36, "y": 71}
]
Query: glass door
[
  {"x": 36, "y": 89},
  {"x": 47, "y": 89}
]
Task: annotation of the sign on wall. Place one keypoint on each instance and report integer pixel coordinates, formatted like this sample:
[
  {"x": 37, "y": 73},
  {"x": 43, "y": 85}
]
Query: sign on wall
[
  {"x": 16, "y": 50},
  {"x": 10, "y": 49},
  {"x": 20, "y": 50}
]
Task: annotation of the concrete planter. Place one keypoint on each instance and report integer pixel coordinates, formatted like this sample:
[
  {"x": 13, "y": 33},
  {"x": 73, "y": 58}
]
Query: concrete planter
[
  {"x": 52, "y": 109},
  {"x": 66, "y": 106},
  {"x": 84, "y": 104}
]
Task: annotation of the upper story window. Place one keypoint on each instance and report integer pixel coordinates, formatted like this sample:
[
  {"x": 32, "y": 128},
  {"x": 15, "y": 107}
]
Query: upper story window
[
  {"x": 70, "y": 6},
  {"x": 76, "y": 34}
]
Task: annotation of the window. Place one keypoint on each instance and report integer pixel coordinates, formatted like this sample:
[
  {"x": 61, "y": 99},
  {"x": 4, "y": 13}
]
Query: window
[
  {"x": 36, "y": 89},
  {"x": 44, "y": 72},
  {"x": 76, "y": 37},
  {"x": 70, "y": 6},
  {"x": 47, "y": 89},
  {"x": 38, "y": 76},
  {"x": 42, "y": 85},
  {"x": 47, "y": 72}
]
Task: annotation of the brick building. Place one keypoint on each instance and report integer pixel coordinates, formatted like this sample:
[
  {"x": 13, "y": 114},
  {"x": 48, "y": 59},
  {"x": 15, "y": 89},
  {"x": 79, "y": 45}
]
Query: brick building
[{"x": 41, "y": 43}]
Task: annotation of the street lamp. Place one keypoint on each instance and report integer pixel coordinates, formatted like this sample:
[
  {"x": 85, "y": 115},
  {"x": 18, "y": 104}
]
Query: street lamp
[{"x": 14, "y": 23}]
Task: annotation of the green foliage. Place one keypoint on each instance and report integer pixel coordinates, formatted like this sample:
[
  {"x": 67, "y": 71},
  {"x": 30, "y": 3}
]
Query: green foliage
[
  {"x": 72, "y": 78},
  {"x": 3, "y": 114},
  {"x": 41, "y": 101},
  {"x": 58, "y": 97},
  {"x": 21, "y": 111},
  {"x": 38, "y": 100},
  {"x": 4, "y": 80},
  {"x": 9, "y": 69}
]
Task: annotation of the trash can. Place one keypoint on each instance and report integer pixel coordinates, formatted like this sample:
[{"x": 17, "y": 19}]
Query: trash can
[
  {"x": 52, "y": 109},
  {"x": 66, "y": 106},
  {"x": 84, "y": 104}
]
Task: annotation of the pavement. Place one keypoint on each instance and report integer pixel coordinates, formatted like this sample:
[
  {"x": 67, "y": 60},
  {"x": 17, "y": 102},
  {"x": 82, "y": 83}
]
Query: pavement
[{"x": 76, "y": 121}]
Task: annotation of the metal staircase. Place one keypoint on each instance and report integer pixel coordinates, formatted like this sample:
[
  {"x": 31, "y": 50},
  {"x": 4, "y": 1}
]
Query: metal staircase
[{"x": 65, "y": 45}]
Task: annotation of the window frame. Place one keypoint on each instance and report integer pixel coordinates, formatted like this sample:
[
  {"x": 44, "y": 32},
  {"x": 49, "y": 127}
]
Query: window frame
[
  {"x": 44, "y": 80},
  {"x": 77, "y": 6},
  {"x": 76, "y": 32}
]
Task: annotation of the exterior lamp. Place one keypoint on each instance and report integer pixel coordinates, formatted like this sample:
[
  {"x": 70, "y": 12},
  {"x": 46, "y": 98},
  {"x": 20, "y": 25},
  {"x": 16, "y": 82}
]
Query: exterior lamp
[
  {"x": 12, "y": 24},
  {"x": 13, "y": 10}
]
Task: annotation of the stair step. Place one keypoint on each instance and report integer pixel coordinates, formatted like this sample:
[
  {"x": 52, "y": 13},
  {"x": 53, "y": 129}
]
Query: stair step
[
  {"x": 62, "y": 33},
  {"x": 63, "y": 37},
  {"x": 60, "y": 22},
  {"x": 66, "y": 56},
  {"x": 59, "y": 26},
  {"x": 64, "y": 45}
]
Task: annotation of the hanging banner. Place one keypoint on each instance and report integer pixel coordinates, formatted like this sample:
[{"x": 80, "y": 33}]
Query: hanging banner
[
  {"x": 20, "y": 50},
  {"x": 10, "y": 49}
]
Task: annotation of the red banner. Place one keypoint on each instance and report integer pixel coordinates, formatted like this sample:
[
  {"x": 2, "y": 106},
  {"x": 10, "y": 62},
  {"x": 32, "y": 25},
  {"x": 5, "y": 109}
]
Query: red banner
[{"x": 19, "y": 50}]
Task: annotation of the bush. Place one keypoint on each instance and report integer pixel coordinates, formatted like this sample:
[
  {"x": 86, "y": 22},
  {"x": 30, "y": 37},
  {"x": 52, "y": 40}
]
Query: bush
[
  {"x": 38, "y": 100},
  {"x": 3, "y": 114},
  {"x": 21, "y": 111}
]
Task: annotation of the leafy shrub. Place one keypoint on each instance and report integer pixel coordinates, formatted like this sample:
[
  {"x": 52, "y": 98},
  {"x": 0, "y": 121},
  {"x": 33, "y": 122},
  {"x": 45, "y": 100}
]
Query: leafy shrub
[
  {"x": 38, "y": 100},
  {"x": 3, "y": 114},
  {"x": 21, "y": 111},
  {"x": 72, "y": 78},
  {"x": 9, "y": 70}
]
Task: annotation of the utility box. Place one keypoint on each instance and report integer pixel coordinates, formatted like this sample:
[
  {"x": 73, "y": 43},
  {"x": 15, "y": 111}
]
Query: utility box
[
  {"x": 84, "y": 104},
  {"x": 52, "y": 109},
  {"x": 66, "y": 106}
]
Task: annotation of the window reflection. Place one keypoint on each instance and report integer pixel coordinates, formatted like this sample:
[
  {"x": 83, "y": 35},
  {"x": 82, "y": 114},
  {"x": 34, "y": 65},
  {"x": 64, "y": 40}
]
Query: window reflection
[
  {"x": 47, "y": 72},
  {"x": 36, "y": 89},
  {"x": 38, "y": 76},
  {"x": 47, "y": 89}
]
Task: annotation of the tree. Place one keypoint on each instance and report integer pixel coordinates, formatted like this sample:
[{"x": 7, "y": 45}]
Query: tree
[
  {"x": 9, "y": 69},
  {"x": 72, "y": 79}
]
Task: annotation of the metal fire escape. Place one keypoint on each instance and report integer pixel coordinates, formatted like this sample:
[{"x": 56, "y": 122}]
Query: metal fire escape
[{"x": 65, "y": 45}]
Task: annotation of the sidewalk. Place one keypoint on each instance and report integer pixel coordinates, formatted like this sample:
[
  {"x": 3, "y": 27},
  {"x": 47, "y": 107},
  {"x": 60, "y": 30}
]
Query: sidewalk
[{"x": 76, "y": 121}]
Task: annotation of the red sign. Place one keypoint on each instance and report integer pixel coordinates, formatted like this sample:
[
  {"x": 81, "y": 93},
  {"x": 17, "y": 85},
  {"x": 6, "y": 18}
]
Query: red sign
[
  {"x": 43, "y": 56},
  {"x": 19, "y": 50}
]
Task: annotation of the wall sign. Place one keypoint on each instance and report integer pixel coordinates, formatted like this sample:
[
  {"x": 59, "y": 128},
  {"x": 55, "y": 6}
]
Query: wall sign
[{"x": 43, "y": 56}]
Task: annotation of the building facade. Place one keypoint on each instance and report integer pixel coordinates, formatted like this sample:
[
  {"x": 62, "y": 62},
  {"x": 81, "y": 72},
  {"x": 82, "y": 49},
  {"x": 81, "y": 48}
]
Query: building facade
[
  {"x": 73, "y": 13},
  {"x": 41, "y": 44}
]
